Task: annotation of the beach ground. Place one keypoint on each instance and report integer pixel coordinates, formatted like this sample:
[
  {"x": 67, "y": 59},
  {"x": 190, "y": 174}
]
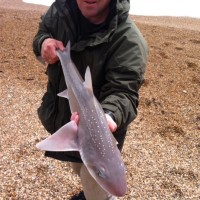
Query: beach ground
[{"x": 162, "y": 147}]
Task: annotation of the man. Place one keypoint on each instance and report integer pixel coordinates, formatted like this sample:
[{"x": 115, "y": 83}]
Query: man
[{"x": 104, "y": 38}]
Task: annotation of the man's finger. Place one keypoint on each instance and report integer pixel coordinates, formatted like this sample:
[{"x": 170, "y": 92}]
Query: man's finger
[
  {"x": 112, "y": 125},
  {"x": 75, "y": 117}
]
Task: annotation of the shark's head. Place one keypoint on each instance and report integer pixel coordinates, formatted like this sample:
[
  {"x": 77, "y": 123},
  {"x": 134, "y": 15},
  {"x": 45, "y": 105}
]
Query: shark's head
[{"x": 112, "y": 180}]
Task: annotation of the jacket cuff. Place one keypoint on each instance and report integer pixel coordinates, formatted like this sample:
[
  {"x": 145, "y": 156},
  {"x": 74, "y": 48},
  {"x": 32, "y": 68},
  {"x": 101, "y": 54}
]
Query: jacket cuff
[
  {"x": 110, "y": 113},
  {"x": 41, "y": 40}
]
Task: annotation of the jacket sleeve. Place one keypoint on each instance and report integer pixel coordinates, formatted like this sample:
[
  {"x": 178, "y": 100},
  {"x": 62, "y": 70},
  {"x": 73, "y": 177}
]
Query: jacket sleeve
[
  {"x": 45, "y": 30},
  {"x": 124, "y": 75}
]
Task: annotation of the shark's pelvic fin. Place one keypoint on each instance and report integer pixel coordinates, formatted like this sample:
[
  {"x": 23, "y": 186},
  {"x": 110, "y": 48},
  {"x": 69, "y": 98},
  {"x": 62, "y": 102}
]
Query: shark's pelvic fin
[{"x": 65, "y": 139}]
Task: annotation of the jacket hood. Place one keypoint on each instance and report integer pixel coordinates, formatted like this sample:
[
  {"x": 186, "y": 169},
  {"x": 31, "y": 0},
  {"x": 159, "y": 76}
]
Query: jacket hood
[{"x": 123, "y": 7}]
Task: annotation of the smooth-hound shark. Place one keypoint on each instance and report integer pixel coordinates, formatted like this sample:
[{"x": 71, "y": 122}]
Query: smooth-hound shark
[{"x": 91, "y": 137}]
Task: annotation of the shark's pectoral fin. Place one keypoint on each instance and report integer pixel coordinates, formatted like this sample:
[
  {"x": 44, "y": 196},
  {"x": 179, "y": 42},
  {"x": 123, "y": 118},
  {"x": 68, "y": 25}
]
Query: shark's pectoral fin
[
  {"x": 65, "y": 139},
  {"x": 64, "y": 94}
]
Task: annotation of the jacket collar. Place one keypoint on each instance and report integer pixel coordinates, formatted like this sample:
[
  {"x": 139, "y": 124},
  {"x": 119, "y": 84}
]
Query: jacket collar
[{"x": 122, "y": 11}]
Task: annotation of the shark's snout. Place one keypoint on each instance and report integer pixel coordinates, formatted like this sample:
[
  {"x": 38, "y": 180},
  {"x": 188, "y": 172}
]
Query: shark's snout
[
  {"x": 119, "y": 190},
  {"x": 117, "y": 187}
]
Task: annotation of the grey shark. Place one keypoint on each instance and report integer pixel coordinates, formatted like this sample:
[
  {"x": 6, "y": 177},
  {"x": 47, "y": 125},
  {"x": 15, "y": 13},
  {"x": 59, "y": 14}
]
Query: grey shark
[{"x": 91, "y": 137}]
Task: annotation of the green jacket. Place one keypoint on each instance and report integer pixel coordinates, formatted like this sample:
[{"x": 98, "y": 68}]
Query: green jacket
[{"x": 116, "y": 56}]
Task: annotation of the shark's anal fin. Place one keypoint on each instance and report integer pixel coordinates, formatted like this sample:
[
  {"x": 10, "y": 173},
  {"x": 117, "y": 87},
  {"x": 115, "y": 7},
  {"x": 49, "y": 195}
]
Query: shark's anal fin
[
  {"x": 65, "y": 139},
  {"x": 64, "y": 94}
]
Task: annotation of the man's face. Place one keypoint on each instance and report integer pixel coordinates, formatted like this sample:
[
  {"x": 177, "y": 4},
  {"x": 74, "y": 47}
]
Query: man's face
[{"x": 95, "y": 11}]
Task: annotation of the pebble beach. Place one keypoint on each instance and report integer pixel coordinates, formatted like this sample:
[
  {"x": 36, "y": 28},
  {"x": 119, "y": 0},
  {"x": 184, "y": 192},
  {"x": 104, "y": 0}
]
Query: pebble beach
[{"x": 162, "y": 147}]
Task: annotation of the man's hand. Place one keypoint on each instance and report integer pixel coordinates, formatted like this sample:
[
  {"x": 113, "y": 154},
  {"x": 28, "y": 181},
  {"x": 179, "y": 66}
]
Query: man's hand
[
  {"x": 111, "y": 124},
  {"x": 75, "y": 117},
  {"x": 48, "y": 50}
]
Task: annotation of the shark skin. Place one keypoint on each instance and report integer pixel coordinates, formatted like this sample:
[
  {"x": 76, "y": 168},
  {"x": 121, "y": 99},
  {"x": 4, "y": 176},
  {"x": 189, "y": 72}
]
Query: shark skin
[{"x": 91, "y": 137}]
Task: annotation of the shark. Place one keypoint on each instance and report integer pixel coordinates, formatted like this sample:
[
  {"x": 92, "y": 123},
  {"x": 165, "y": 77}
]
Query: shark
[{"x": 91, "y": 136}]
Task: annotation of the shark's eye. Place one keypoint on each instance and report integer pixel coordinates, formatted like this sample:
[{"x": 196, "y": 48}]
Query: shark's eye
[{"x": 101, "y": 173}]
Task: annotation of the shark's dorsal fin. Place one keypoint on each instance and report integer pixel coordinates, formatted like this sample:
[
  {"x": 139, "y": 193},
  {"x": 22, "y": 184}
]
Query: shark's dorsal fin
[
  {"x": 68, "y": 47},
  {"x": 88, "y": 80},
  {"x": 65, "y": 139},
  {"x": 64, "y": 94}
]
